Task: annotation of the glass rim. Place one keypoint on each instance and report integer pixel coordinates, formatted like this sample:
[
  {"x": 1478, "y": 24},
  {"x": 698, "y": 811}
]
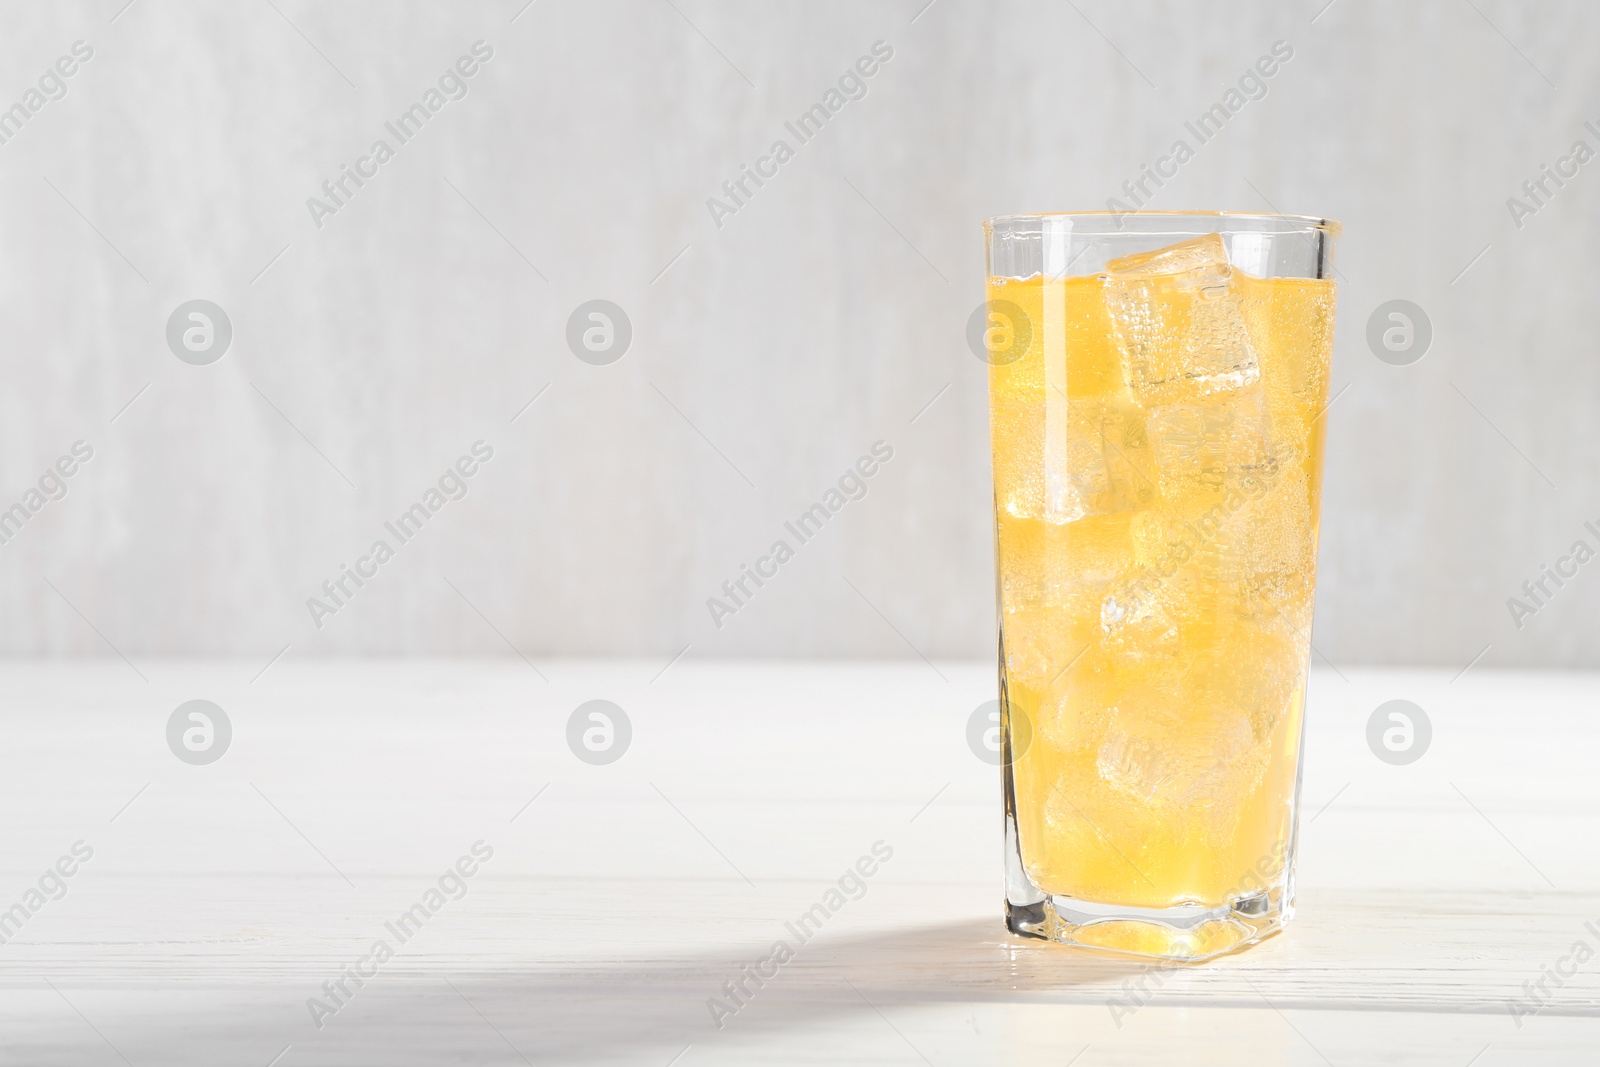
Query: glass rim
[{"x": 1297, "y": 223}]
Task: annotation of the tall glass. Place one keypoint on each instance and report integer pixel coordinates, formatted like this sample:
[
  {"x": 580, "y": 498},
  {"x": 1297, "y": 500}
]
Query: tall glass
[{"x": 1156, "y": 391}]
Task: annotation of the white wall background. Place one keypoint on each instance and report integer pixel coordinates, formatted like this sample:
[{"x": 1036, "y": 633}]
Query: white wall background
[{"x": 773, "y": 351}]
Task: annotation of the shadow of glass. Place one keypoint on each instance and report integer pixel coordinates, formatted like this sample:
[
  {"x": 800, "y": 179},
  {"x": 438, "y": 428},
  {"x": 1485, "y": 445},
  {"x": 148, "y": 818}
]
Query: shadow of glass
[{"x": 593, "y": 1011}]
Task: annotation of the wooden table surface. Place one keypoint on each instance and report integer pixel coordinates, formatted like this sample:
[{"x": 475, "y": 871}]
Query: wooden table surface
[{"x": 619, "y": 898}]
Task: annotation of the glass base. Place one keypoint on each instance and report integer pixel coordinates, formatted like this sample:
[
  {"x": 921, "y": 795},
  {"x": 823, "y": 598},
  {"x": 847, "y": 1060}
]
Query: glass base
[
  {"x": 1186, "y": 933},
  {"x": 1189, "y": 933}
]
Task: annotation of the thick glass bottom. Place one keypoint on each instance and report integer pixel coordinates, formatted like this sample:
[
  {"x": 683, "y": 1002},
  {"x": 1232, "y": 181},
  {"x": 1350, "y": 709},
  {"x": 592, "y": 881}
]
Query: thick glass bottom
[
  {"x": 1188, "y": 933},
  {"x": 1185, "y": 933}
]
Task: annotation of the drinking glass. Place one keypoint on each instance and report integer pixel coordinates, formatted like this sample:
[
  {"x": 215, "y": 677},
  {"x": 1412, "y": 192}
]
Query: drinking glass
[{"x": 1157, "y": 386}]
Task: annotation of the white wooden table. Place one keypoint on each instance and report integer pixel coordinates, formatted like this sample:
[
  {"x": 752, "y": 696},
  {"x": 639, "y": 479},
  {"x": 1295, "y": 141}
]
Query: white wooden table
[{"x": 219, "y": 898}]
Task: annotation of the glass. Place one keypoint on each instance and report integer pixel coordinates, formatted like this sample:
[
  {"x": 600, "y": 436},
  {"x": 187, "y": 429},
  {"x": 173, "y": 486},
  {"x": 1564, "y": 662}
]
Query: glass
[{"x": 1156, "y": 389}]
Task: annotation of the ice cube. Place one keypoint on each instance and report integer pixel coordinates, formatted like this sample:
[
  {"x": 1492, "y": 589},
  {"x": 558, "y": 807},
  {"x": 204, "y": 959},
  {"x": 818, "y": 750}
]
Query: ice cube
[
  {"x": 1079, "y": 486},
  {"x": 1221, "y": 442},
  {"x": 1102, "y": 474},
  {"x": 1017, "y": 429},
  {"x": 1139, "y": 629},
  {"x": 1270, "y": 533},
  {"x": 1074, "y": 709},
  {"x": 1254, "y": 544},
  {"x": 1085, "y": 556},
  {"x": 1177, "y": 317},
  {"x": 1125, "y": 450},
  {"x": 1090, "y": 818},
  {"x": 1181, "y": 748},
  {"x": 1038, "y": 641},
  {"x": 1257, "y": 665},
  {"x": 1051, "y": 590},
  {"x": 1096, "y": 463},
  {"x": 1059, "y": 564}
]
